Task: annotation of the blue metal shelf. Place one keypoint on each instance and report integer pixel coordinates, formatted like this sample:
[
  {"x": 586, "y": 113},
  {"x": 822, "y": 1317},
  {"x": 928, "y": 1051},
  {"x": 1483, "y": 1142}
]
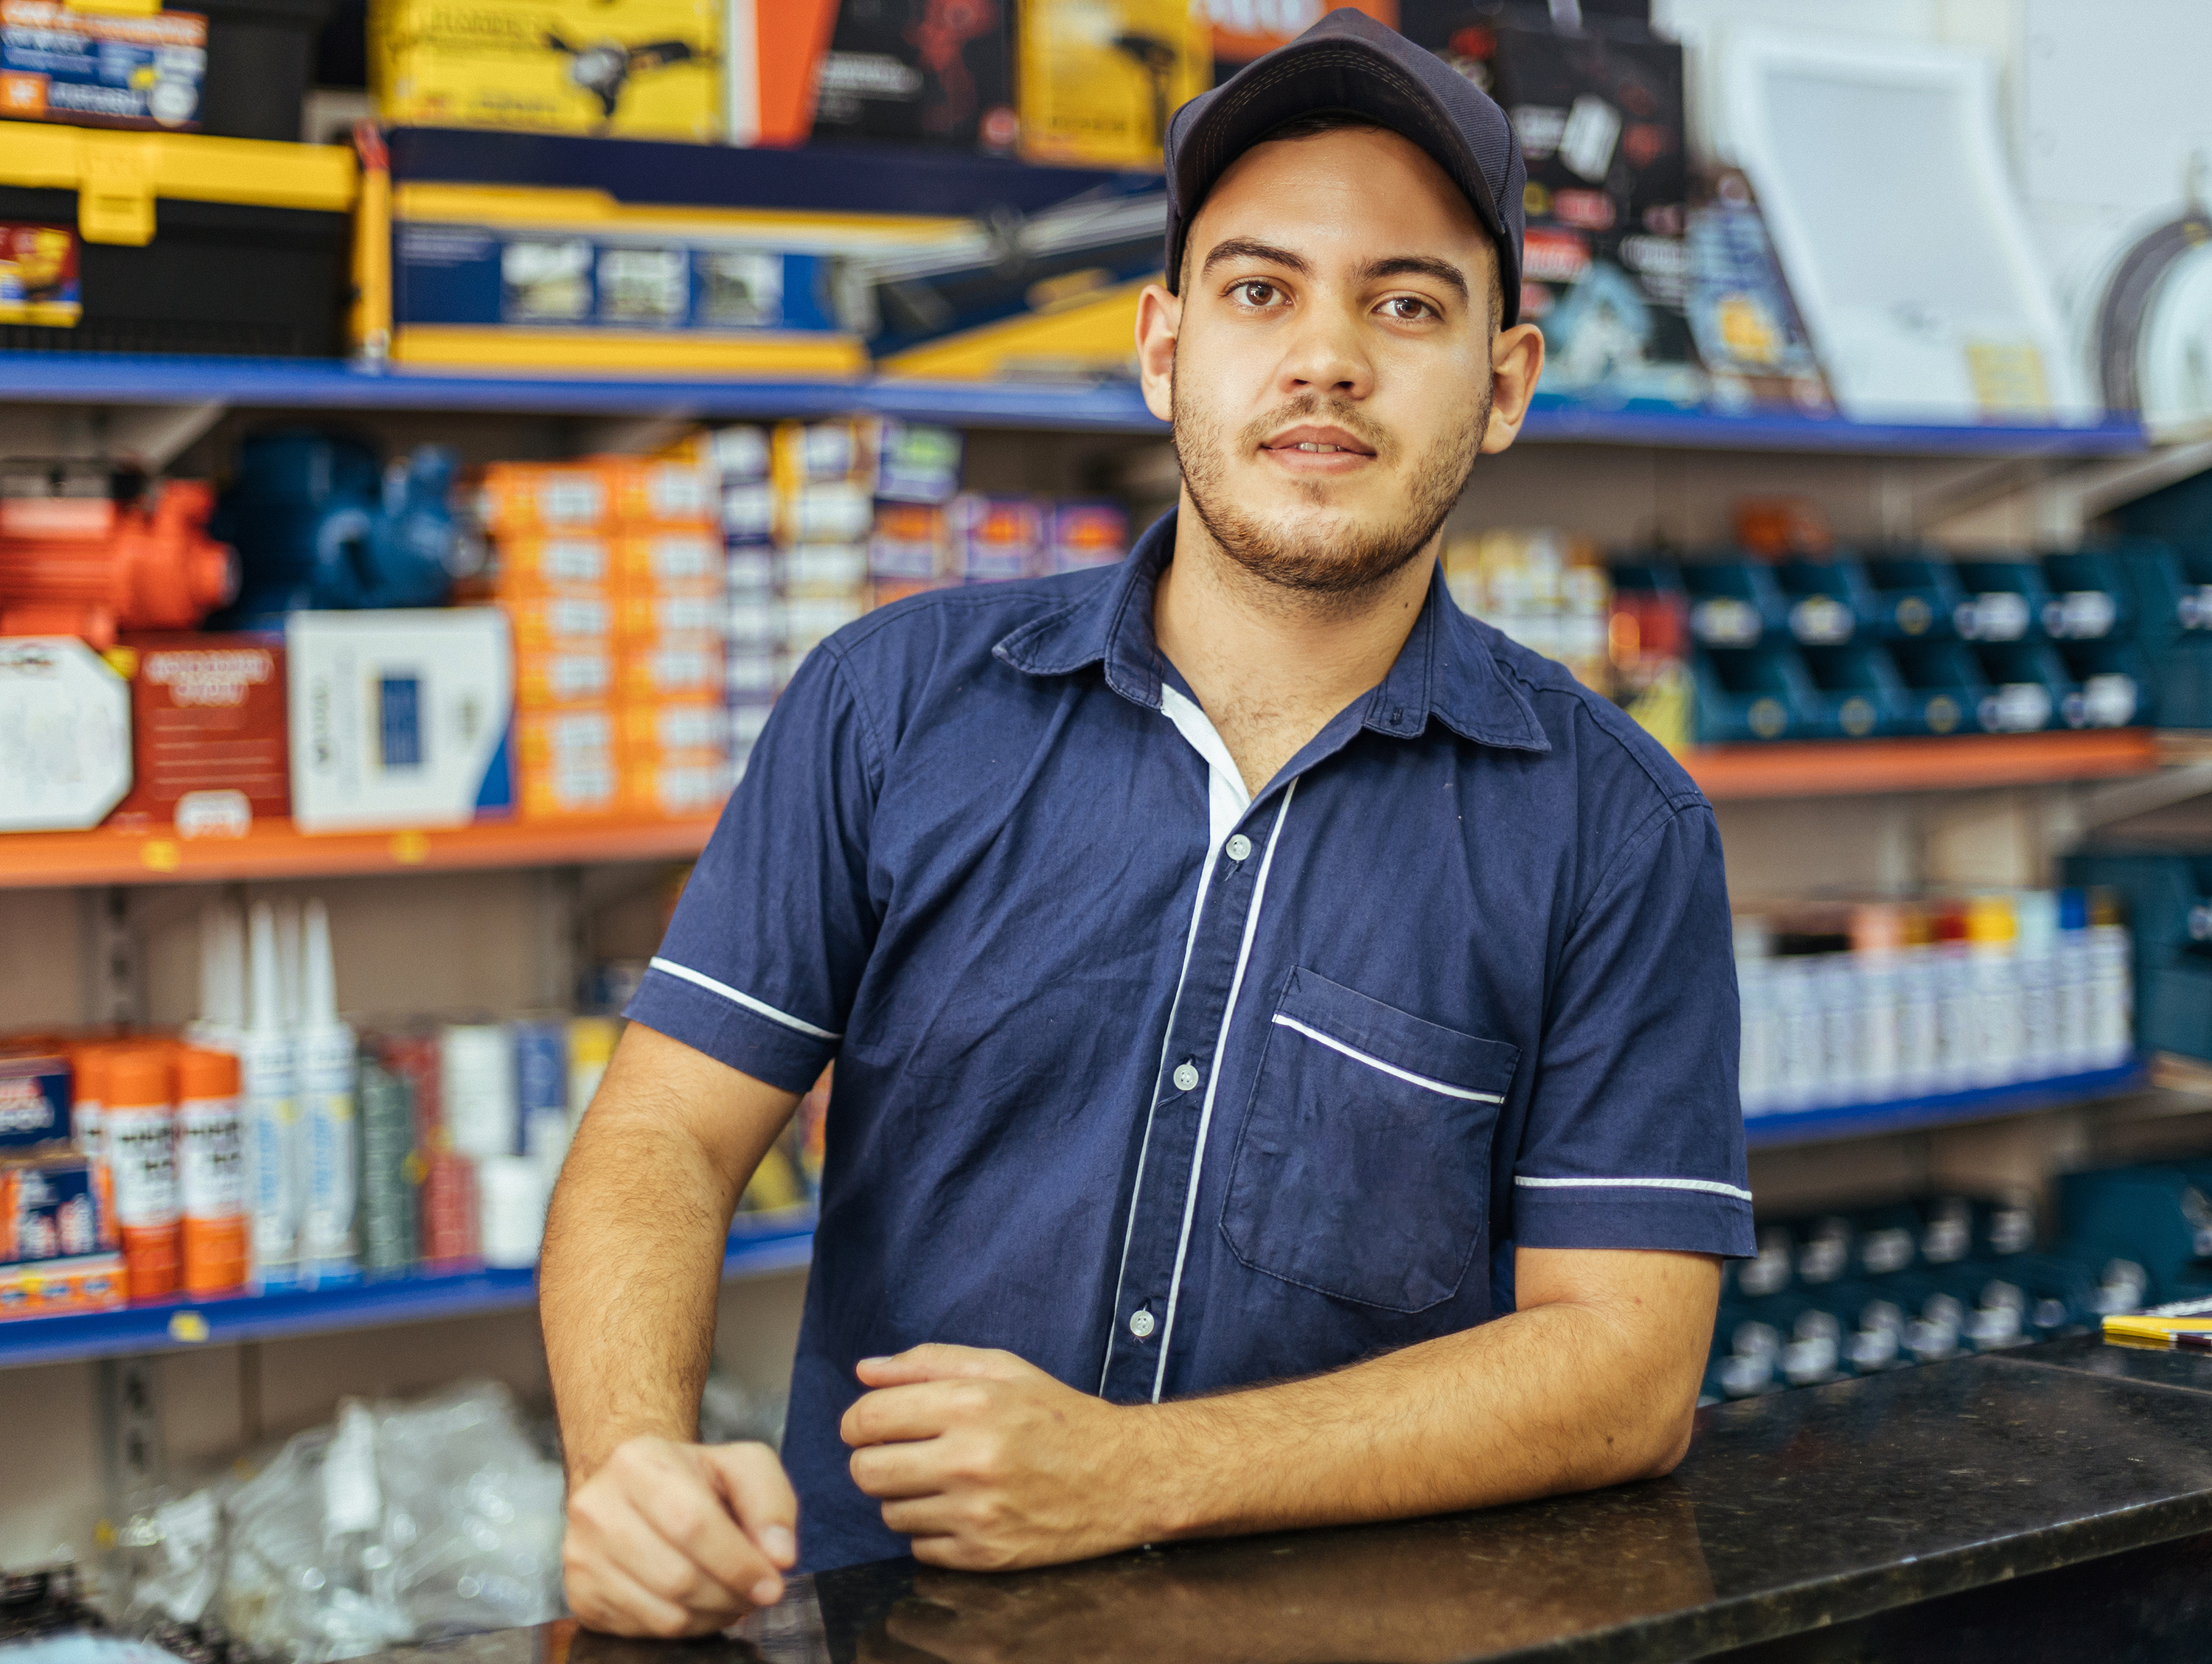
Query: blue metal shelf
[
  {"x": 1767, "y": 1132},
  {"x": 757, "y": 1246},
  {"x": 60, "y": 377}
]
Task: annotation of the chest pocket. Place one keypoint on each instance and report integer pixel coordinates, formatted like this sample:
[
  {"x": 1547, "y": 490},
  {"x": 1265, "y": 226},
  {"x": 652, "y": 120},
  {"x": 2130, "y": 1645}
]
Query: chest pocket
[{"x": 1363, "y": 1168}]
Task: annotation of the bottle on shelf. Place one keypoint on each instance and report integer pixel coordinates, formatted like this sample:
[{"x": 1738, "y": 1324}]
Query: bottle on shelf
[
  {"x": 211, "y": 1171},
  {"x": 325, "y": 1048},
  {"x": 269, "y": 1085},
  {"x": 140, "y": 1116}
]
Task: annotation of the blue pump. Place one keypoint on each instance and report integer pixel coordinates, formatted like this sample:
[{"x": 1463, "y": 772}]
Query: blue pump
[{"x": 319, "y": 523}]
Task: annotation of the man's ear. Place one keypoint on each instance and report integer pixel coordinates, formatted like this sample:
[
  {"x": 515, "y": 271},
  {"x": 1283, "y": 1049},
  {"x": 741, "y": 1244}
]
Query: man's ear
[
  {"x": 1159, "y": 317},
  {"x": 1517, "y": 361}
]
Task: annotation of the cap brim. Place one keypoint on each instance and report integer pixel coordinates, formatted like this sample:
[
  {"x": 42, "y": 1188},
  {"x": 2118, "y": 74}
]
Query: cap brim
[{"x": 1308, "y": 75}]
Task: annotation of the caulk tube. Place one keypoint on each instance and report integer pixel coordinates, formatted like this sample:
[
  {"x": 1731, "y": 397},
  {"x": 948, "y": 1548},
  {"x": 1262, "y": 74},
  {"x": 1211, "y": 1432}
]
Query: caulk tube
[
  {"x": 327, "y": 1059},
  {"x": 222, "y": 980},
  {"x": 266, "y": 1083}
]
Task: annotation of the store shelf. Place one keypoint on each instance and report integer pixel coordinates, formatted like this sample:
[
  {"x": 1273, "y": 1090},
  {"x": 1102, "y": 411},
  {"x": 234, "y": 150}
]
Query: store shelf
[
  {"x": 1769, "y": 1131},
  {"x": 321, "y": 384},
  {"x": 758, "y": 1245},
  {"x": 1839, "y": 768},
  {"x": 274, "y": 850}
]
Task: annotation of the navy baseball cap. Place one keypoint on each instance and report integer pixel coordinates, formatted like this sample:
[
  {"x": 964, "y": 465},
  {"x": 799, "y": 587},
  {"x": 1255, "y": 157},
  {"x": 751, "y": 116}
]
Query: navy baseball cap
[{"x": 1350, "y": 61}]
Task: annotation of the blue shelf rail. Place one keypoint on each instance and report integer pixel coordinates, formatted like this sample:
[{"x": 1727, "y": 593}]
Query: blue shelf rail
[
  {"x": 758, "y": 1245},
  {"x": 1776, "y": 1128},
  {"x": 304, "y": 384}
]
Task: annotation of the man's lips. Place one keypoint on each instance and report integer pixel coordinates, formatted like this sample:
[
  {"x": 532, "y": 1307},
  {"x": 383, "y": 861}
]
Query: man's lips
[{"x": 1310, "y": 440}]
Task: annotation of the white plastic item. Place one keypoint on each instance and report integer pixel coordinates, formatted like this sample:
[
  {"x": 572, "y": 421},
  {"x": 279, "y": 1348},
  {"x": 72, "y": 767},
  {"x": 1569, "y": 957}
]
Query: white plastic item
[
  {"x": 511, "y": 1197},
  {"x": 398, "y": 719},
  {"x": 269, "y": 1085},
  {"x": 64, "y": 735},
  {"x": 222, "y": 1020},
  {"x": 475, "y": 1077},
  {"x": 1879, "y": 168},
  {"x": 327, "y": 1061}
]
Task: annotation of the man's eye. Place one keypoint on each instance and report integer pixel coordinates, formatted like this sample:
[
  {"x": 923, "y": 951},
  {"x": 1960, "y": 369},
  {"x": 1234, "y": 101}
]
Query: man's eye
[
  {"x": 1406, "y": 309},
  {"x": 1256, "y": 293}
]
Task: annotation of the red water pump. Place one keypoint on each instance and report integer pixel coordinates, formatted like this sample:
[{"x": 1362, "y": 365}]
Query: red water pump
[{"x": 90, "y": 565}]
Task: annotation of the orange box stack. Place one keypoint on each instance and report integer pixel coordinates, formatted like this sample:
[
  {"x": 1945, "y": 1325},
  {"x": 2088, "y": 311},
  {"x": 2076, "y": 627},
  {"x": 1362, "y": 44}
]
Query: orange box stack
[{"x": 611, "y": 570}]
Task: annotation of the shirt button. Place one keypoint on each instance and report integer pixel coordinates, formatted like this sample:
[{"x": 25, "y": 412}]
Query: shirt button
[
  {"x": 1140, "y": 1324},
  {"x": 1186, "y": 1077},
  {"x": 1239, "y": 847}
]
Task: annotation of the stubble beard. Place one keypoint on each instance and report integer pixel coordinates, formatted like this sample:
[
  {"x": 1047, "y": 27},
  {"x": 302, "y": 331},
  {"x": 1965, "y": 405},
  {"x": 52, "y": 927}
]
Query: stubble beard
[{"x": 1333, "y": 563}]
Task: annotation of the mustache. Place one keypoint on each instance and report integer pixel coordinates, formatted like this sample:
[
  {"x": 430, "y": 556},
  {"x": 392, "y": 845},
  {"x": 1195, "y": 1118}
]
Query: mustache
[{"x": 1316, "y": 408}]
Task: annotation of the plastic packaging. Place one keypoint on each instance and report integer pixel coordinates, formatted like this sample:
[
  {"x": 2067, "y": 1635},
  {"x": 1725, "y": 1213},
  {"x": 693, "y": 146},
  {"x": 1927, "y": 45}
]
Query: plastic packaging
[
  {"x": 476, "y": 1068},
  {"x": 325, "y": 1050},
  {"x": 266, "y": 1066},
  {"x": 512, "y": 1193}
]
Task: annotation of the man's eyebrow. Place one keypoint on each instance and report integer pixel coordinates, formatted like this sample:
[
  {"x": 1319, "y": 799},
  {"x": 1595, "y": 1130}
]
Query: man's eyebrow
[
  {"x": 1418, "y": 266},
  {"x": 1246, "y": 248}
]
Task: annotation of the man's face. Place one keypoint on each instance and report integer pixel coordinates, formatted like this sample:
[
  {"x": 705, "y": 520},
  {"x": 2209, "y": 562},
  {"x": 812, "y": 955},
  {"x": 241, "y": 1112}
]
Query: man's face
[{"x": 1333, "y": 360}]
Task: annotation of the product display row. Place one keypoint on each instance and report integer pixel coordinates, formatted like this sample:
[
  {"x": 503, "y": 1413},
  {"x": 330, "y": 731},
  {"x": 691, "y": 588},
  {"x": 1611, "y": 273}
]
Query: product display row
[
  {"x": 1879, "y": 1002},
  {"x": 270, "y": 1147}
]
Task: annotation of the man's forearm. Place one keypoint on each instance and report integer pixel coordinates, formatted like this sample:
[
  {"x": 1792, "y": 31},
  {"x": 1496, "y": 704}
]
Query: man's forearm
[{"x": 1557, "y": 1398}]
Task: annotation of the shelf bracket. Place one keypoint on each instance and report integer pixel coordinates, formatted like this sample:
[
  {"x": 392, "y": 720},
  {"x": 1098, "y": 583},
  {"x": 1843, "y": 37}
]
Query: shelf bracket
[
  {"x": 2108, "y": 804},
  {"x": 154, "y": 435}
]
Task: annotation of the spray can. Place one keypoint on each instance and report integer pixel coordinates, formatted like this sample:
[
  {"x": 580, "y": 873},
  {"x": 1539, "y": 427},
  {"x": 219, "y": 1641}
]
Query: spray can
[
  {"x": 267, "y": 1085},
  {"x": 324, "y": 1050},
  {"x": 210, "y": 1170},
  {"x": 141, "y": 1119},
  {"x": 386, "y": 1114},
  {"x": 541, "y": 1091}
]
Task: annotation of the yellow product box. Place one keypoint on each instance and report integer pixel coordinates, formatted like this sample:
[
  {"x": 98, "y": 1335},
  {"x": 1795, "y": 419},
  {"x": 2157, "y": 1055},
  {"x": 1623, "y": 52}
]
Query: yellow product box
[
  {"x": 550, "y": 678},
  {"x": 805, "y": 453},
  {"x": 695, "y": 612},
  {"x": 643, "y": 495},
  {"x": 50, "y": 1288},
  {"x": 659, "y": 786},
  {"x": 678, "y": 555},
  {"x": 1099, "y": 79},
  {"x": 683, "y": 728},
  {"x": 556, "y": 739},
  {"x": 691, "y": 668},
  {"x": 560, "y": 618},
  {"x": 519, "y": 500},
  {"x": 561, "y": 563},
  {"x": 644, "y": 69},
  {"x": 573, "y": 789}
]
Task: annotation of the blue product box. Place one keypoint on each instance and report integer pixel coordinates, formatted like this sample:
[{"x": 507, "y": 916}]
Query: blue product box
[
  {"x": 101, "y": 69},
  {"x": 49, "y": 1209},
  {"x": 541, "y": 1083},
  {"x": 35, "y": 1103}
]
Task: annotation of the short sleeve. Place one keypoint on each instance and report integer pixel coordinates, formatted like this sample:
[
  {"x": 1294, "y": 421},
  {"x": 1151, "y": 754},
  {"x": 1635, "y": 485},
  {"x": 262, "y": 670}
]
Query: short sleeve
[
  {"x": 1635, "y": 1134},
  {"x": 768, "y": 944}
]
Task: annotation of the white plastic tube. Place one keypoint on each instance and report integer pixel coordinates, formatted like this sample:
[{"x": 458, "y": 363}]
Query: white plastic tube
[
  {"x": 327, "y": 1059},
  {"x": 267, "y": 1082}
]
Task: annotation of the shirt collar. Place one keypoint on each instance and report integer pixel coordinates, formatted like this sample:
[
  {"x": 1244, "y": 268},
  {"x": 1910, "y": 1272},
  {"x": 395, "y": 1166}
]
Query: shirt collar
[{"x": 1445, "y": 668}]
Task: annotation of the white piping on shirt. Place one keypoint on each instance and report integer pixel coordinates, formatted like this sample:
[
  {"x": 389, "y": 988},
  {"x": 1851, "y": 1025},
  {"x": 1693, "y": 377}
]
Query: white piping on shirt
[
  {"x": 758, "y": 1007},
  {"x": 1213, "y": 1085},
  {"x": 1357, "y": 1056},
  {"x": 1713, "y": 1186},
  {"x": 1227, "y": 802}
]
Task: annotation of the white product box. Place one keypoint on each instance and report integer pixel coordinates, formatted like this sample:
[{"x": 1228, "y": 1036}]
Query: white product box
[
  {"x": 399, "y": 719},
  {"x": 64, "y": 735}
]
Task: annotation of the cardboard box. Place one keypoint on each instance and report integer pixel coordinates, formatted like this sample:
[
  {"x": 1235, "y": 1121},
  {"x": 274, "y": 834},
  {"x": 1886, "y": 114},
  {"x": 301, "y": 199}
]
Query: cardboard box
[
  {"x": 996, "y": 537},
  {"x": 645, "y": 69},
  {"x": 1613, "y": 313},
  {"x": 1098, "y": 82},
  {"x": 920, "y": 72},
  {"x": 51, "y": 1288},
  {"x": 35, "y": 1103},
  {"x": 39, "y": 279},
  {"x": 50, "y": 1209},
  {"x": 1240, "y": 30},
  {"x": 207, "y": 738},
  {"x": 96, "y": 69},
  {"x": 567, "y": 677},
  {"x": 399, "y": 719},
  {"x": 64, "y": 735},
  {"x": 772, "y": 55}
]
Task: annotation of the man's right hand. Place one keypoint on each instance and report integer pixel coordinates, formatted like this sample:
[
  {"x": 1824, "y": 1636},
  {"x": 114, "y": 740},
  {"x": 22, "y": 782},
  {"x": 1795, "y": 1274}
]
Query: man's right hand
[{"x": 672, "y": 1540}]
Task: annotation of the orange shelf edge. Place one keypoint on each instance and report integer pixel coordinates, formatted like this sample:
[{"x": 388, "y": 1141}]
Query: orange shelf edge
[
  {"x": 106, "y": 856},
  {"x": 1839, "y": 768}
]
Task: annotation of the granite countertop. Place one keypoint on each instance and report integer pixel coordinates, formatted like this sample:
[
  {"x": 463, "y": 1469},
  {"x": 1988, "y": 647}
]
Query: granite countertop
[{"x": 1793, "y": 1512}]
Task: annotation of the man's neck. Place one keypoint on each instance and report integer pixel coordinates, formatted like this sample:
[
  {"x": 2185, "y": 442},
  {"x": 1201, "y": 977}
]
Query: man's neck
[{"x": 1272, "y": 666}]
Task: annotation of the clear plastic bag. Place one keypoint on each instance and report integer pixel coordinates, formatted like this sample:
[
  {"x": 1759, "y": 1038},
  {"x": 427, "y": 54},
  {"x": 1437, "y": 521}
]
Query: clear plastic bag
[{"x": 400, "y": 1522}]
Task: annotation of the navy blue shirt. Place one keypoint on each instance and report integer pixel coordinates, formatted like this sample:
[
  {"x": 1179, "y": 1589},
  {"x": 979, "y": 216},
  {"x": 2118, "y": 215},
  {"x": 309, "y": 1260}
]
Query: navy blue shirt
[{"x": 1167, "y": 1088}]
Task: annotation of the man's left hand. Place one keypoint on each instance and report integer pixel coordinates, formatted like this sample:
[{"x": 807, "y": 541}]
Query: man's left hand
[{"x": 987, "y": 1463}]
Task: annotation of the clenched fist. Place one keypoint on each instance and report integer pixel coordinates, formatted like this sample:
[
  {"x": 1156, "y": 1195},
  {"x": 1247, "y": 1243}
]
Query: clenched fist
[{"x": 672, "y": 1540}]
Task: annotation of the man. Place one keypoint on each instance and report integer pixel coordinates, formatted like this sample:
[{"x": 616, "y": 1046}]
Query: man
[{"x": 1285, "y": 1032}]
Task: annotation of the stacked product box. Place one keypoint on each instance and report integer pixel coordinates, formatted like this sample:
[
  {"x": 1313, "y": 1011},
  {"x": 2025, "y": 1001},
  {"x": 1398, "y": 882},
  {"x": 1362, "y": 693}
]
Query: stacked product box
[
  {"x": 1545, "y": 589},
  {"x": 1879, "y": 1002},
  {"x": 611, "y": 570},
  {"x": 58, "y": 1250}
]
